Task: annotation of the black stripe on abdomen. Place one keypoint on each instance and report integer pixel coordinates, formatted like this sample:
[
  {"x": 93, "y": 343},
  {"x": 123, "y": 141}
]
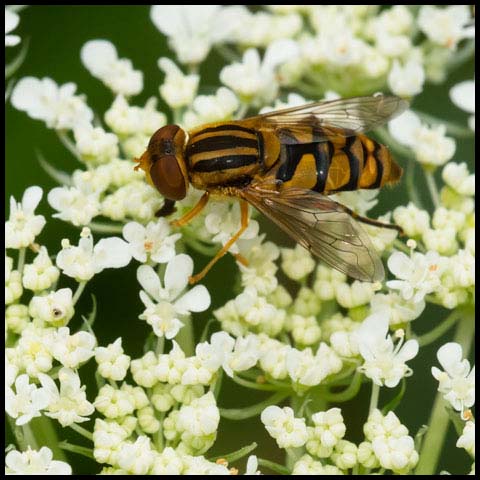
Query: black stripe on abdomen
[
  {"x": 290, "y": 156},
  {"x": 378, "y": 180},
  {"x": 323, "y": 157},
  {"x": 224, "y": 142},
  {"x": 227, "y": 162},
  {"x": 354, "y": 163},
  {"x": 225, "y": 127}
]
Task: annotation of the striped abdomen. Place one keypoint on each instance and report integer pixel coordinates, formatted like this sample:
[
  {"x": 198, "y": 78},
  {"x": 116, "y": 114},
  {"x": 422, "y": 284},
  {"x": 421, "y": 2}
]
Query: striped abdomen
[
  {"x": 223, "y": 153},
  {"x": 342, "y": 164}
]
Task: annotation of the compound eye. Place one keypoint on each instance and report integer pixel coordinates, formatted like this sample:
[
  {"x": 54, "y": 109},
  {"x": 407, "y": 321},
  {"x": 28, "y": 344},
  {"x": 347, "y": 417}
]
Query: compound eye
[{"x": 168, "y": 178}]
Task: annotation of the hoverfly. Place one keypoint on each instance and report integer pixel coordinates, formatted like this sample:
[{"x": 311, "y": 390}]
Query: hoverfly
[{"x": 285, "y": 163}]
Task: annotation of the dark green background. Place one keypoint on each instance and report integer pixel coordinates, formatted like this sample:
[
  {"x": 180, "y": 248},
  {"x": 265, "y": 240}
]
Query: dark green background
[{"x": 56, "y": 34}]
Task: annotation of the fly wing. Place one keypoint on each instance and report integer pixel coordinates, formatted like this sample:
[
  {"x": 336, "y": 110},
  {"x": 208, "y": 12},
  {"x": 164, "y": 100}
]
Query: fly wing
[
  {"x": 343, "y": 117},
  {"x": 321, "y": 226}
]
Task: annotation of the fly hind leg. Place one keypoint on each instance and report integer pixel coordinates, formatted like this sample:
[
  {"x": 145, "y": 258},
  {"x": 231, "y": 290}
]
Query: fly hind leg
[{"x": 226, "y": 247}]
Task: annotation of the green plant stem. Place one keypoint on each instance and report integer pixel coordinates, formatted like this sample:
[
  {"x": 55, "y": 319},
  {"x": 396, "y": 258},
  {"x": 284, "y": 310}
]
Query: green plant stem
[
  {"x": 399, "y": 245},
  {"x": 347, "y": 394},
  {"x": 82, "y": 431},
  {"x": 439, "y": 330},
  {"x": 21, "y": 260},
  {"x": 100, "y": 227},
  {"x": 78, "y": 292},
  {"x": 253, "y": 410},
  {"x": 273, "y": 466},
  {"x": 432, "y": 187},
  {"x": 68, "y": 144},
  {"x": 258, "y": 386},
  {"x": 185, "y": 338},
  {"x": 438, "y": 425},
  {"x": 374, "y": 397},
  {"x": 237, "y": 454},
  {"x": 84, "y": 451}
]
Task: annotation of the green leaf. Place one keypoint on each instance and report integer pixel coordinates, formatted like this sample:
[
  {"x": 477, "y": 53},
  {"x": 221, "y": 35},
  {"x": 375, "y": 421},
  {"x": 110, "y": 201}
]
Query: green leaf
[{"x": 253, "y": 410}]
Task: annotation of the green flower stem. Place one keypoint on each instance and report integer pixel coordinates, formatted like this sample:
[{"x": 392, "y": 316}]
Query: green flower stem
[
  {"x": 82, "y": 431},
  {"x": 348, "y": 393},
  {"x": 273, "y": 466},
  {"x": 29, "y": 437},
  {"x": 185, "y": 338},
  {"x": 100, "y": 227},
  {"x": 160, "y": 345},
  {"x": 440, "y": 329},
  {"x": 78, "y": 292},
  {"x": 217, "y": 384},
  {"x": 21, "y": 260},
  {"x": 438, "y": 425},
  {"x": 432, "y": 187},
  {"x": 253, "y": 410},
  {"x": 401, "y": 246},
  {"x": 293, "y": 454},
  {"x": 68, "y": 144},
  {"x": 44, "y": 433},
  {"x": 200, "y": 247},
  {"x": 258, "y": 386},
  {"x": 241, "y": 111},
  {"x": 237, "y": 455},
  {"x": 410, "y": 183},
  {"x": 70, "y": 447},
  {"x": 374, "y": 397},
  {"x": 16, "y": 63}
]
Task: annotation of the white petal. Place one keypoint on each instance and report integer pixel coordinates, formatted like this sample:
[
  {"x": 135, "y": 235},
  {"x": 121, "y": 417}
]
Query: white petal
[
  {"x": 449, "y": 354},
  {"x": 408, "y": 351},
  {"x": 26, "y": 95},
  {"x": 133, "y": 232},
  {"x": 463, "y": 95},
  {"x": 169, "y": 19},
  {"x": 177, "y": 273},
  {"x": 149, "y": 281},
  {"x": 112, "y": 252},
  {"x": 11, "y": 20},
  {"x": 31, "y": 198},
  {"x": 403, "y": 127},
  {"x": 279, "y": 52},
  {"x": 195, "y": 300},
  {"x": 400, "y": 265},
  {"x": 97, "y": 56}
]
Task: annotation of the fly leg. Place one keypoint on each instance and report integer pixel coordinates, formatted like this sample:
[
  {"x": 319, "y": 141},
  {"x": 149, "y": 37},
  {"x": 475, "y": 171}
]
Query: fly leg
[
  {"x": 370, "y": 221},
  {"x": 224, "y": 250},
  {"x": 192, "y": 213}
]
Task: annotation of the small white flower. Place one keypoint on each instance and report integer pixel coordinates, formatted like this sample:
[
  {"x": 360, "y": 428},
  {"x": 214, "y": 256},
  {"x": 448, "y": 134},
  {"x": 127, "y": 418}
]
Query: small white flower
[
  {"x": 273, "y": 358},
  {"x": 467, "y": 439},
  {"x": 108, "y": 437},
  {"x": 193, "y": 29},
  {"x": 430, "y": 145},
  {"x": 456, "y": 175},
  {"x": 328, "y": 429},
  {"x": 23, "y": 225},
  {"x": 356, "y": 294},
  {"x": 396, "y": 454},
  {"x": 74, "y": 204},
  {"x": 112, "y": 362},
  {"x": 441, "y": 240},
  {"x": 252, "y": 465},
  {"x": 127, "y": 120},
  {"x": 58, "y": 107},
  {"x": 413, "y": 220},
  {"x": 95, "y": 145},
  {"x": 27, "y": 400},
  {"x": 55, "y": 308},
  {"x": 326, "y": 282},
  {"x": 224, "y": 221},
  {"x": 178, "y": 90},
  {"x": 360, "y": 201},
  {"x": 136, "y": 458},
  {"x": 457, "y": 382},
  {"x": 384, "y": 362},
  {"x": 69, "y": 404},
  {"x": 41, "y": 274},
  {"x": 11, "y": 22},
  {"x": 13, "y": 283},
  {"x": 211, "y": 108},
  {"x": 306, "y": 465},
  {"x": 16, "y": 318},
  {"x": 396, "y": 308},
  {"x": 297, "y": 263},
  {"x": 446, "y": 26},
  {"x": 32, "y": 462},
  {"x": 463, "y": 96},
  {"x": 85, "y": 260},
  {"x": 113, "y": 402},
  {"x": 143, "y": 370},
  {"x": 72, "y": 350},
  {"x": 282, "y": 425},
  {"x": 305, "y": 329},
  {"x": 100, "y": 58},
  {"x": 171, "y": 366},
  {"x": 244, "y": 356},
  {"x": 253, "y": 80},
  {"x": 201, "y": 417},
  {"x": 152, "y": 242},
  {"x": 406, "y": 80},
  {"x": 419, "y": 274},
  {"x": 163, "y": 315}
]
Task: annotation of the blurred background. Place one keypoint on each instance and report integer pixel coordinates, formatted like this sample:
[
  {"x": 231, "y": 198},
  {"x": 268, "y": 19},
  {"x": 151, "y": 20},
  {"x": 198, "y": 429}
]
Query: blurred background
[{"x": 55, "y": 35}]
